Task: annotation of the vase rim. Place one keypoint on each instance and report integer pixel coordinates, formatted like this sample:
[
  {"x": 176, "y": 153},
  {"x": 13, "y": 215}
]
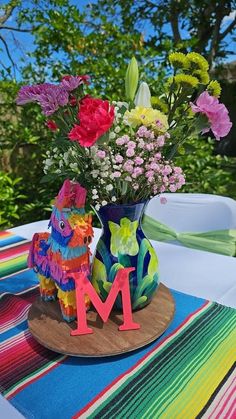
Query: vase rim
[{"x": 114, "y": 205}]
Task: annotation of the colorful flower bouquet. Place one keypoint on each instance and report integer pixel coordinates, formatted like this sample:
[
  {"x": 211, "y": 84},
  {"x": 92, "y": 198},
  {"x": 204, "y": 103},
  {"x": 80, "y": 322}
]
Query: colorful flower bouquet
[{"x": 122, "y": 153}]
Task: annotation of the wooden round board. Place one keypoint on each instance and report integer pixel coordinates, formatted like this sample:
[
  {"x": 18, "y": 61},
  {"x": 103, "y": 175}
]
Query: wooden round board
[{"x": 49, "y": 329}]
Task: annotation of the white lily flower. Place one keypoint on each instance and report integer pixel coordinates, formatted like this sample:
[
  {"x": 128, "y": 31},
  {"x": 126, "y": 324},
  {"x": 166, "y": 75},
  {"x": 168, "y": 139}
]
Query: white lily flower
[{"x": 143, "y": 96}]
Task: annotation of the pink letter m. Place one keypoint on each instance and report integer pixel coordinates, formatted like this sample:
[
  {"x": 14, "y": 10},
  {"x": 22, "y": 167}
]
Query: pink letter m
[{"x": 121, "y": 284}]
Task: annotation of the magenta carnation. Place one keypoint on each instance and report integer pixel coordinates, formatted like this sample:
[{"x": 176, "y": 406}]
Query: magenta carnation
[
  {"x": 217, "y": 114},
  {"x": 72, "y": 82},
  {"x": 52, "y": 98},
  {"x": 49, "y": 96},
  {"x": 28, "y": 94}
]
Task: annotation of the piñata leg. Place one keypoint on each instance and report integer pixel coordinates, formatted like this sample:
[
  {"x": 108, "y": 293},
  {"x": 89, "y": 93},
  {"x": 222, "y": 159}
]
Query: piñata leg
[
  {"x": 48, "y": 290},
  {"x": 67, "y": 302}
]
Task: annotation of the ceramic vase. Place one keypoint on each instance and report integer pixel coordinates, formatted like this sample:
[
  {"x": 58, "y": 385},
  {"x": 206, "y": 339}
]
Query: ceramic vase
[{"x": 124, "y": 244}]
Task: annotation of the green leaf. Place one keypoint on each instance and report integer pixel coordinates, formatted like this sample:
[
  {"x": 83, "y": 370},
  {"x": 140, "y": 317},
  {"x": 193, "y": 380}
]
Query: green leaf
[
  {"x": 139, "y": 302},
  {"x": 113, "y": 271}
]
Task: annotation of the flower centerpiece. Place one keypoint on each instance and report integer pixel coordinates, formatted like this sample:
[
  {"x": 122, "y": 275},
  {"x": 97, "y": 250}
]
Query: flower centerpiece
[{"x": 122, "y": 153}]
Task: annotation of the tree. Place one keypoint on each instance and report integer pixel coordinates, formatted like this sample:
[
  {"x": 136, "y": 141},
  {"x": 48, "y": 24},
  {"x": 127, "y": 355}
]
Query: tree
[
  {"x": 115, "y": 29},
  {"x": 98, "y": 40},
  {"x": 6, "y": 12},
  {"x": 198, "y": 24}
]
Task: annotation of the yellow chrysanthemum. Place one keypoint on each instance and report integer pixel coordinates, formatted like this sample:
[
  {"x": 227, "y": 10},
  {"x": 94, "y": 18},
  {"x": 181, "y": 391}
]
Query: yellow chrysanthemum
[
  {"x": 178, "y": 59},
  {"x": 214, "y": 88},
  {"x": 159, "y": 104},
  {"x": 169, "y": 82},
  {"x": 197, "y": 61},
  {"x": 186, "y": 80},
  {"x": 202, "y": 76},
  {"x": 148, "y": 117}
]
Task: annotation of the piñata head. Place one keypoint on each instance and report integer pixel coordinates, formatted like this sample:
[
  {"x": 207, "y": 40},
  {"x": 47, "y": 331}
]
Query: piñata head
[{"x": 70, "y": 225}]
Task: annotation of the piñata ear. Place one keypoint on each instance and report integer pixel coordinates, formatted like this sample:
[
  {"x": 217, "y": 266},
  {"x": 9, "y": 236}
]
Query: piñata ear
[
  {"x": 80, "y": 194},
  {"x": 72, "y": 194}
]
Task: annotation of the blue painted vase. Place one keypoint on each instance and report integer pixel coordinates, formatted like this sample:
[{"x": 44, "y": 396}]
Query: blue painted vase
[{"x": 124, "y": 244}]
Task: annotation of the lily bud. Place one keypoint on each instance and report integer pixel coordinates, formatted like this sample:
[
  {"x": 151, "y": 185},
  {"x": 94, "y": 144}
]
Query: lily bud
[
  {"x": 143, "y": 96},
  {"x": 131, "y": 79}
]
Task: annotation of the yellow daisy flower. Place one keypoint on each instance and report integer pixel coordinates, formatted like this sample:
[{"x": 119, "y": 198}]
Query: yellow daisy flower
[
  {"x": 197, "y": 61},
  {"x": 186, "y": 80},
  {"x": 148, "y": 117},
  {"x": 214, "y": 88},
  {"x": 178, "y": 59},
  {"x": 202, "y": 76},
  {"x": 158, "y": 103}
]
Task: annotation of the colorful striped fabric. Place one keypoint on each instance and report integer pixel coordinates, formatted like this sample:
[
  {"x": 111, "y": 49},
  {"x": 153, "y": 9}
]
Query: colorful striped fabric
[{"x": 189, "y": 372}]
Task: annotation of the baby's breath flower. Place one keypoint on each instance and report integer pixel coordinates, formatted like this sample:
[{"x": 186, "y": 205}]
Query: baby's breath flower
[
  {"x": 202, "y": 76},
  {"x": 178, "y": 59},
  {"x": 214, "y": 88},
  {"x": 73, "y": 165},
  {"x": 187, "y": 80},
  {"x": 112, "y": 135},
  {"x": 197, "y": 61},
  {"x": 109, "y": 187},
  {"x": 48, "y": 162},
  {"x": 104, "y": 174}
]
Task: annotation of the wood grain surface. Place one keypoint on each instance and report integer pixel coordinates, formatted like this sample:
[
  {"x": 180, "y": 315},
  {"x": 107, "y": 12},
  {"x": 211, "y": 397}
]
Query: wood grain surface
[{"x": 49, "y": 329}]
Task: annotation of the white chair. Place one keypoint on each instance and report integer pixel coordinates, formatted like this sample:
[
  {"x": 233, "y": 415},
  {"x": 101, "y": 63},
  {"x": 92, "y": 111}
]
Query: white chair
[{"x": 194, "y": 212}]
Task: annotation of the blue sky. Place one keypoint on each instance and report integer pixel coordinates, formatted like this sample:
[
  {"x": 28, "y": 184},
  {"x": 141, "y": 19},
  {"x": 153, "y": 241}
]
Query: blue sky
[{"x": 23, "y": 43}]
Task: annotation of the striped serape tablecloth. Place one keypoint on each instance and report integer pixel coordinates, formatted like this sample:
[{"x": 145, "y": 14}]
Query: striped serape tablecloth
[{"x": 187, "y": 373}]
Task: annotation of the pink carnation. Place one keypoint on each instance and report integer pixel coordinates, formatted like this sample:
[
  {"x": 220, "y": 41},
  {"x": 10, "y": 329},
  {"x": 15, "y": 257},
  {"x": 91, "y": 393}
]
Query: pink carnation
[
  {"x": 128, "y": 167},
  {"x": 166, "y": 170},
  {"x": 161, "y": 140},
  {"x": 122, "y": 140},
  {"x": 138, "y": 160},
  {"x": 118, "y": 158},
  {"x": 173, "y": 188},
  {"x": 177, "y": 170},
  {"x": 137, "y": 172},
  {"x": 72, "y": 82},
  {"x": 131, "y": 144},
  {"x": 158, "y": 156},
  {"x": 117, "y": 174},
  {"x": 101, "y": 154},
  {"x": 216, "y": 113},
  {"x": 130, "y": 152}
]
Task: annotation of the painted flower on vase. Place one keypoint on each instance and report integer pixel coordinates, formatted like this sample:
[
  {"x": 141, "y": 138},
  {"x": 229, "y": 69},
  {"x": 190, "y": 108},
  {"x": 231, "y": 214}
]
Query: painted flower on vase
[{"x": 123, "y": 237}]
